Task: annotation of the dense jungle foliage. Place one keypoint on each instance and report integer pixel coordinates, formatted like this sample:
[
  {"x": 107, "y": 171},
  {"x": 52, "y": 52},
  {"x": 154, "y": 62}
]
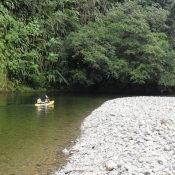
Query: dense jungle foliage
[{"x": 87, "y": 45}]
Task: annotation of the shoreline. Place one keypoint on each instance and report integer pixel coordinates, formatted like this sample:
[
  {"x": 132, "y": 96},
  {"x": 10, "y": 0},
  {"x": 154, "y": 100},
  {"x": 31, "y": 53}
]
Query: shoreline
[{"x": 130, "y": 135}]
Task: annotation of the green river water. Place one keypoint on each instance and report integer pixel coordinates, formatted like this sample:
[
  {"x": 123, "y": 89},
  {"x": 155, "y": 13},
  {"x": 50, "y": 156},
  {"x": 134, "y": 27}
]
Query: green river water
[{"x": 32, "y": 138}]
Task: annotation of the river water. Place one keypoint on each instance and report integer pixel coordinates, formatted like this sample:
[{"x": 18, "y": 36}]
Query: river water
[{"x": 32, "y": 138}]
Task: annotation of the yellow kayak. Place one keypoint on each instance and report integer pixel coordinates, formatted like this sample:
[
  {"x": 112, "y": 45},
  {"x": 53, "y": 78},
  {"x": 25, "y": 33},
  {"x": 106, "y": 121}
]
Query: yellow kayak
[{"x": 44, "y": 103}]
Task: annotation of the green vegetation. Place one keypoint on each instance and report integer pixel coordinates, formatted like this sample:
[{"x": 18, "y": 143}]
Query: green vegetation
[{"x": 87, "y": 45}]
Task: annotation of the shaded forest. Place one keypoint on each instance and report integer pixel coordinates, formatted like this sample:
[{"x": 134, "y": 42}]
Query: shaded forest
[{"x": 87, "y": 45}]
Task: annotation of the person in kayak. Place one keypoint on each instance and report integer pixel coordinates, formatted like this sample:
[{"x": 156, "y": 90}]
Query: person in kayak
[
  {"x": 39, "y": 100},
  {"x": 47, "y": 99}
]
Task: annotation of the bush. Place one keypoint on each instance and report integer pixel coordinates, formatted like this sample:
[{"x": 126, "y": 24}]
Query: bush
[{"x": 37, "y": 81}]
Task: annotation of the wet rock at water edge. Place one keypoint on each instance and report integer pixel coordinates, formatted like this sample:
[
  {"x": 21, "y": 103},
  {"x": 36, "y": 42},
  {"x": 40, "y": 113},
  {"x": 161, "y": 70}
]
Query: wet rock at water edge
[{"x": 65, "y": 152}]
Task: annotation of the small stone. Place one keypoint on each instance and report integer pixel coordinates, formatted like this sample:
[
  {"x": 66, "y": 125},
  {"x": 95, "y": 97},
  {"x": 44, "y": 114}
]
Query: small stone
[
  {"x": 160, "y": 160},
  {"x": 120, "y": 164},
  {"x": 148, "y": 139},
  {"x": 168, "y": 172},
  {"x": 110, "y": 165},
  {"x": 147, "y": 172},
  {"x": 167, "y": 148},
  {"x": 65, "y": 151},
  {"x": 67, "y": 170},
  {"x": 171, "y": 128}
]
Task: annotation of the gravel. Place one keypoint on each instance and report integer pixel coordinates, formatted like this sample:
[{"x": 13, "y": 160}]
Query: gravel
[{"x": 126, "y": 136}]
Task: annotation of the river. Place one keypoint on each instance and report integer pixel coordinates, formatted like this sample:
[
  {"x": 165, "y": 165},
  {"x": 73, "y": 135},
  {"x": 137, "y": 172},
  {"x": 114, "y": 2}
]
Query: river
[{"x": 32, "y": 138}]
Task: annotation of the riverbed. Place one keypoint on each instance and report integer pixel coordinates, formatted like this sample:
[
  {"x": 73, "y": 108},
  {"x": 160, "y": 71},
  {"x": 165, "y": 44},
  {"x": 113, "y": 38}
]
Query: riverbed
[{"x": 131, "y": 135}]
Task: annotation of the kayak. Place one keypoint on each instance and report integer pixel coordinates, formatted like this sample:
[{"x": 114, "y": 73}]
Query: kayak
[{"x": 45, "y": 103}]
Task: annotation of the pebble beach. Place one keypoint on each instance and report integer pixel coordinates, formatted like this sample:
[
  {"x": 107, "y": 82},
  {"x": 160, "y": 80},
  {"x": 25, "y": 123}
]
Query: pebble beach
[{"x": 126, "y": 136}]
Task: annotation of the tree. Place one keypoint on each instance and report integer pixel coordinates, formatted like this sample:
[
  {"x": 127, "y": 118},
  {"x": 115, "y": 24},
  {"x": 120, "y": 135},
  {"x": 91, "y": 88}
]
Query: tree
[{"x": 120, "y": 47}]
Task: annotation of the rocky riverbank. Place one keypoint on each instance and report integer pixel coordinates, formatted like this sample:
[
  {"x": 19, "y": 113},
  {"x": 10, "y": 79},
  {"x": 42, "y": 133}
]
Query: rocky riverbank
[{"x": 126, "y": 136}]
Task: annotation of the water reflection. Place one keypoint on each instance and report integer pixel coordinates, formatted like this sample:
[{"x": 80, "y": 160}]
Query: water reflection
[
  {"x": 32, "y": 138},
  {"x": 44, "y": 110}
]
